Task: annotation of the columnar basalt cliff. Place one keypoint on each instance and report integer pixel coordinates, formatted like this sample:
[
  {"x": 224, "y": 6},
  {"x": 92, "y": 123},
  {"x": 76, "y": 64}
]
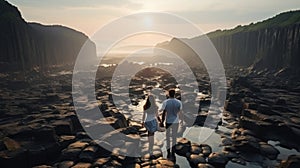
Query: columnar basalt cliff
[
  {"x": 271, "y": 44},
  {"x": 270, "y": 47},
  {"x": 26, "y": 45}
]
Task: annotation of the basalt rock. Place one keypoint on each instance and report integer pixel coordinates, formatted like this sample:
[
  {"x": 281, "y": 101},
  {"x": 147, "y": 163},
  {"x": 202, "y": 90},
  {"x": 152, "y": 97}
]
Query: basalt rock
[
  {"x": 293, "y": 161},
  {"x": 270, "y": 44},
  {"x": 28, "y": 45}
]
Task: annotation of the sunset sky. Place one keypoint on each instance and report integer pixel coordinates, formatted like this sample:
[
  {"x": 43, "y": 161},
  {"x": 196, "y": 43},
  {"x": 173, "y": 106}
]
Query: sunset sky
[{"x": 88, "y": 16}]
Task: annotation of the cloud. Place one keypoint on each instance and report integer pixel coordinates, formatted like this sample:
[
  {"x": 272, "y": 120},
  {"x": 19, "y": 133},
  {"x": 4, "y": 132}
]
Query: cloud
[
  {"x": 88, "y": 15},
  {"x": 224, "y": 16},
  {"x": 77, "y": 3},
  {"x": 220, "y": 14},
  {"x": 233, "y": 11}
]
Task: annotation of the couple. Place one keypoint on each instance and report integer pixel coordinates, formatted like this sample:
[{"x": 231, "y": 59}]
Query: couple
[{"x": 172, "y": 111}]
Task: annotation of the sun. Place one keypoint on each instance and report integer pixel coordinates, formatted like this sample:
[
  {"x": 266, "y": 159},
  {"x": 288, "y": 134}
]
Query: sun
[{"x": 148, "y": 21}]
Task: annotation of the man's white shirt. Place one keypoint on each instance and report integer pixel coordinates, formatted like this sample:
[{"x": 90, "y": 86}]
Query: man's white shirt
[{"x": 172, "y": 107}]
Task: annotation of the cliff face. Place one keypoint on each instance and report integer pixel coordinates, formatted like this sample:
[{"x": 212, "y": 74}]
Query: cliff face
[
  {"x": 272, "y": 44},
  {"x": 26, "y": 45},
  {"x": 180, "y": 48},
  {"x": 271, "y": 48}
]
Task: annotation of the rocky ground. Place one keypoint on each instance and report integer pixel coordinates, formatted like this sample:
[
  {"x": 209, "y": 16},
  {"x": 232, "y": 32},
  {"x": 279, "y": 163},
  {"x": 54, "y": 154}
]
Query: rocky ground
[{"x": 39, "y": 126}]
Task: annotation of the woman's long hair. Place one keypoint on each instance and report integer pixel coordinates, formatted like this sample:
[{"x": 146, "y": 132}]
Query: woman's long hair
[{"x": 150, "y": 101}]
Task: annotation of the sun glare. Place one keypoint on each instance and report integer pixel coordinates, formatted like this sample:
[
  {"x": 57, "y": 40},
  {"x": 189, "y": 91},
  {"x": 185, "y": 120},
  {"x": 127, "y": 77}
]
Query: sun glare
[
  {"x": 139, "y": 41},
  {"x": 148, "y": 21}
]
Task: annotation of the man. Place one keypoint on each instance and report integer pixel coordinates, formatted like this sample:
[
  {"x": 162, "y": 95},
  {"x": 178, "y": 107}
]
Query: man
[{"x": 172, "y": 111}]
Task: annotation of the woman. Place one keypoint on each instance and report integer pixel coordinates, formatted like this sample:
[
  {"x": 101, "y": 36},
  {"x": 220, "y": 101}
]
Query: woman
[{"x": 150, "y": 118}]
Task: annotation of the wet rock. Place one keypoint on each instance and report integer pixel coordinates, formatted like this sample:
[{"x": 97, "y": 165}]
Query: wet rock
[
  {"x": 183, "y": 141},
  {"x": 82, "y": 165},
  {"x": 157, "y": 154},
  {"x": 265, "y": 109},
  {"x": 166, "y": 163},
  {"x": 181, "y": 149},
  {"x": 195, "y": 149},
  {"x": 88, "y": 154},
  {"x": 78, "y": 145},
  {"x": 52, "y": 97},
  {"x": 70, "y": 154},
  {"x": 65, "y": 164},
  {"x": 113, "y": 163},
  {"x": 278, "y": 109},
  {"x": 252, "y": 157},
  {"x": 235, "y": 107},
  {"x": 235, "y": 96},
  {"x": 11, "y": 144},
  {"x": 115, "y": 122},
  {"x": 239, "y": 148},
  {"x": 65, "y": 140},
  {"x": 246, "y": 143},
  {"x": 46, "y": 134},
  {"x": 246, "y": 132},
  {"x": 131, "y": 161},
  {"x": 260, "y": 127},
  {"x": 295, "y": 120},
  {"x": 126, "y": 145},
  {"x": 205, "y": 165},
  {"x": 269, "y": 151},
  {"x": 200, "y": 119},
  {"x": 148, "y": 163},
  {"x": 183, "y": 146},
  {"x": 217, "y": 159},
  {"x": 154, "y": 155},
  {"x": 82, "y": 135},
  {"x": 232, "y": 124},
  {"x": 2, "y": 146},
  {"x": 226, "y": 141},
  {"x": 134, "y": 166},
  {"x": 16, "y": 158},
  {"x": 63, "y": 127},
  {"x": 100, "y": 162},
  {"x": 131, "y": 131},
  {"x": 37, "y": 153},
  {"x": 194, "y": 160},
  {"x": 250, "y": 113},
  {"x": 252, "y": 106},
  {"x": 35, "y": 131},
  {"x": 293, "y": 161},
  {"x": 136, "y": 91},
  {"x": 104, "y": 149},
  {"x": 75, "y": 122},
  {"x": 230, "y": 148},
  {"x": 239, "y": 161},
  {"x": 117, "y": 155},
  {"x": 43, "y": 166},
  {"x": 280, "y": 101},
  {"x": 73, "y": 150},
  {"x": 206, "y": 149},
  {"x": 230, "y": 154}
]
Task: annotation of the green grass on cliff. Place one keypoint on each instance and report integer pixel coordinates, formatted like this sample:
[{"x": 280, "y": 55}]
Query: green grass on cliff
[{"x": 280, "y": 20}]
